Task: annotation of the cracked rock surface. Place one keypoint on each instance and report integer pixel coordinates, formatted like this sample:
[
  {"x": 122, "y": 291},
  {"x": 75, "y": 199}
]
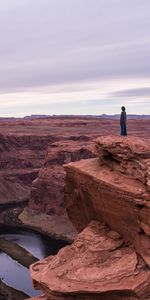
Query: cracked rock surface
[
  {"x": 108, "y": 201},
  {"x": 98, "y": 262},
  {"x": 107, "y": 189}
]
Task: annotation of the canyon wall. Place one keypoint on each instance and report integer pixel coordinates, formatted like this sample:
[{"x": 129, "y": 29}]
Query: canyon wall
[
  {"x": 20, "y": 160},
  {"x": 24, "y": 144},
  {"x": 113, "y": 188},
  {"x": 47, "y": 188},
  {"x": 46, "y": 210},
  {"x": 107, "y": 200},
  {"x": 36, "y": 149}
]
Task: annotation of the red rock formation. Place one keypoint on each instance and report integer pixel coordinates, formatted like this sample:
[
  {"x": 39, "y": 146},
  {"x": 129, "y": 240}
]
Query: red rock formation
[
  {"x": 114, "y": 190},
  {"x": 98, "y": 265},
  {"x": 23, "y": 146},
  {"x": 47, "y": 188},
  {"x": 132, "y": 155},
  {"x": 20, "y": 160},
  {"x": 24, "y": 142},
  {"x": 56, "y": 226},
  {"x": 106, "y": 188}
]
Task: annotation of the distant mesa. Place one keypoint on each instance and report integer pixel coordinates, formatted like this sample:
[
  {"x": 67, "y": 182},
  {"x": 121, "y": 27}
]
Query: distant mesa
[{"x": 101, "y": 116}]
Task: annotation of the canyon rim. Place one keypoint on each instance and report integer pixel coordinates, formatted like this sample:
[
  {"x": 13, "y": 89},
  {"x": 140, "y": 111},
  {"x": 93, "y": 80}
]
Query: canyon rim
[{"x": 35, "y": 156}]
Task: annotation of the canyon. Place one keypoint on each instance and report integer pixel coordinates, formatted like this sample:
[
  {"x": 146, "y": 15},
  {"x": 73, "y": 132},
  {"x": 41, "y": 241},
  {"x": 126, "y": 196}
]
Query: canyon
[
  {"x": 107, "y": 200},
  {"x": 33, "y": 153}
]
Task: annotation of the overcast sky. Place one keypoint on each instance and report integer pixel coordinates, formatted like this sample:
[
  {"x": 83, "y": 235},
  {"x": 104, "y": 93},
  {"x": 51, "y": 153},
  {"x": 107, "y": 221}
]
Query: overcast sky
[{"x": 74, "y": 56}]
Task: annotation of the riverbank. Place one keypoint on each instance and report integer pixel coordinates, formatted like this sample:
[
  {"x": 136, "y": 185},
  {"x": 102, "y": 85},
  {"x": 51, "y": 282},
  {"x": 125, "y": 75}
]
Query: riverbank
[
  {"x": 57, "y": 227},
  {"x": 7, "y": 292},
  {"x": 18, "y": 249},
  {"x": 18, "y": 253}
]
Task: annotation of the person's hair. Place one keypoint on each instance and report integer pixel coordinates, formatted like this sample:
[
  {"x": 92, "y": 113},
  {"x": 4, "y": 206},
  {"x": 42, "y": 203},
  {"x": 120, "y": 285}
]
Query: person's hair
[{"x": 123, "y": 108}]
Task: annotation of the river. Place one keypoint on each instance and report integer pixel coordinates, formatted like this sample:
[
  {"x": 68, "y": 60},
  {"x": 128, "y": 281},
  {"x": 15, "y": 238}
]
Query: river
[{"x": 13, "y": 273}]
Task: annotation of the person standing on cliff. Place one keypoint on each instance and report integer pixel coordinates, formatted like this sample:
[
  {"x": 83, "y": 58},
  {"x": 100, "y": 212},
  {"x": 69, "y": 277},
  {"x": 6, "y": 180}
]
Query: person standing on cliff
[{"x": 123, "y": 121}]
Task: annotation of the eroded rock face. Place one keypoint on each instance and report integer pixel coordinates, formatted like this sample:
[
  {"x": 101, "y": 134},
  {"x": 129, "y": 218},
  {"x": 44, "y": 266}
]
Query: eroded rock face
[
  {"x": 20, "y": 160},
  {"x": 47, "y": 188},
  {"x": 46, "y": 210},
  {"x": 109, "y": 260},
  {"x": 98, "y": 265},
  {"x": 130, "y": 156},
  {"x": 24, "y": 143},
  {"x": 56, "y": 226},
  {"x": 106, "y": 189}
]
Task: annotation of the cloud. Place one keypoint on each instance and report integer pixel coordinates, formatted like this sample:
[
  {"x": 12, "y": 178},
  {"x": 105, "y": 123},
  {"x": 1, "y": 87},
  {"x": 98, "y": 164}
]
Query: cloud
[
  {"x": 137, "y": 92},
  {"x": 61, "y": 51},
  {"x": 47, "y": 42}
]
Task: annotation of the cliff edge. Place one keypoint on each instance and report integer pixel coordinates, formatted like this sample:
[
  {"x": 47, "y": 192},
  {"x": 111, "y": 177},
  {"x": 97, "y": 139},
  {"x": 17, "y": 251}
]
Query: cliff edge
[
  {"x": 107, "y": 200},
  {"x": 113, "y": 188}
]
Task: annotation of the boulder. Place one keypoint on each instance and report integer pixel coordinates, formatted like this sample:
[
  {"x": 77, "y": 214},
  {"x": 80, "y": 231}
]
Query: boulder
[{"x": 98, "y": 265}]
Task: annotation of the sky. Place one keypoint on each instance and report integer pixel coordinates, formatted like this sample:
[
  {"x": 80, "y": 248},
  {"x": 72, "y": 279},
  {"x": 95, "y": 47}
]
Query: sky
[{"x": 74, "y": 57}]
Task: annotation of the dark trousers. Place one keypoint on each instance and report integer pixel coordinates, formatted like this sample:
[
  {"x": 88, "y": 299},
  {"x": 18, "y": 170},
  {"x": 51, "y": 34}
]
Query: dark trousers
[{"x": 123, "y": 129}]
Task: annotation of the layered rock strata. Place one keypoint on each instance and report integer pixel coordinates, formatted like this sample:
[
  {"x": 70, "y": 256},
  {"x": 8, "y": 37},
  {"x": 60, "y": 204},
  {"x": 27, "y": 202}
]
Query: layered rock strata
[
  {"x": 21, "y": 157},
  {"x": 57, "y": 226},
  {"x": 24, "y": 142},
  {"x": 47, "y": 188},
  {"x": 46, "y": 210},
  {"x": 113, "y": 188},
  {"x": 110, "y": 257},
  {"x": 98, "y": 265}
]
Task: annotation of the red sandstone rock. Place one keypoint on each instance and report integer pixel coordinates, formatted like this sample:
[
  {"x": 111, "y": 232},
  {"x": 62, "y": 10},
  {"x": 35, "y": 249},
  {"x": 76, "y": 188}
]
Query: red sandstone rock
[
  {"x": 24, "y": 142},
  {"x": 128, "y": 155},
  {"x": 98, "y": 265},
  {"x": 20, "y": 160},
  {"x": 112, "y": 188},
  {"x": 122, "y": 148},
  {"x": 56, "y": 226},
  {"x": 102, "y": 191},
  {"x": 47, "y": 188}
]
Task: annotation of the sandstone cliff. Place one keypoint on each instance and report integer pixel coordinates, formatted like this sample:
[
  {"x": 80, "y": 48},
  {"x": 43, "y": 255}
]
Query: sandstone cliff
[
  {"x": 23, "y": 147},
  {"x": 110, "y": 257},
  {"x": 20, "y": 160},
  {"x": 46, "y": 210},
  {"x": 113, "y": 188},
  {"x": 24, "y": 143},
  {"x": 47, "y": 188}
]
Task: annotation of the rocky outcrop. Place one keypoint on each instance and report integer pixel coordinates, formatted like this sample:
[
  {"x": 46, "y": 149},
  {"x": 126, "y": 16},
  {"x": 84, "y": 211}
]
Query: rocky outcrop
[
  {"x": 109, "y": 188},
  {"x": 131, "y": 154},
  {"x": 98, "y": 265},
  {"x": 110, "y": 257}
]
